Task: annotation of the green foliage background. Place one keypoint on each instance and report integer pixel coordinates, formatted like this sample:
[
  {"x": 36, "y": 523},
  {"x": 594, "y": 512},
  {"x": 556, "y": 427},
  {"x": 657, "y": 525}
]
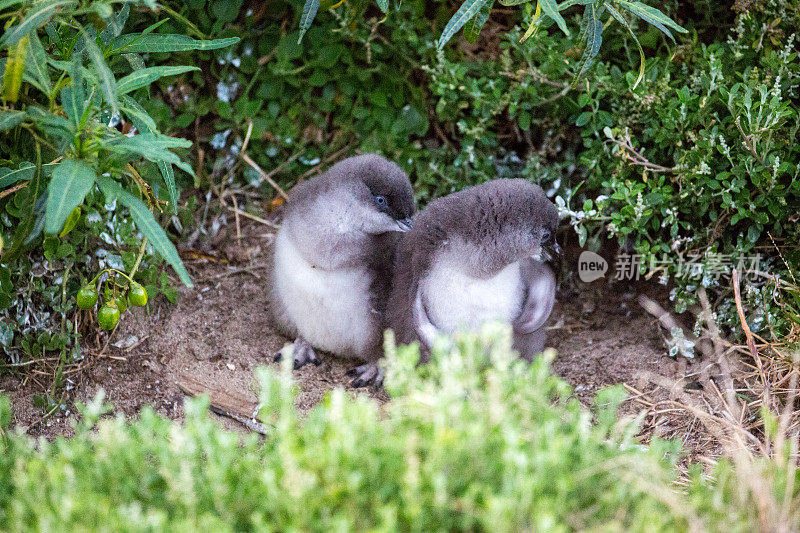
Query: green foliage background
[{"x": 700, "y": 156}]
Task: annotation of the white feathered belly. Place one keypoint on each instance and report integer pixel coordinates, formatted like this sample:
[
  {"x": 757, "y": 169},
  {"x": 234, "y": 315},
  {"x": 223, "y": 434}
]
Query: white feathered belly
[
  {"x": 456, "y": 301},
  {"x": 330, "y": 308}
]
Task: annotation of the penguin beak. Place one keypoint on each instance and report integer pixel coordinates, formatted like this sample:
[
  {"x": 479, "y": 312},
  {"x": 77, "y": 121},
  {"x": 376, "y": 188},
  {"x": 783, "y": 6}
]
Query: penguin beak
[{"x": 404, "y": 224}]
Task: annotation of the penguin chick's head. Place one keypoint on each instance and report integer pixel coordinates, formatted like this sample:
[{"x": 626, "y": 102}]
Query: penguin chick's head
[
  {"x": 497, "y": 223},
  {"x": 382, "y": 190}
]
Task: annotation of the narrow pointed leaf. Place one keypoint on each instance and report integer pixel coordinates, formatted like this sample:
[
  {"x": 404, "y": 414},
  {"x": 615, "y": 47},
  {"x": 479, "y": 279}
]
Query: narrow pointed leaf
[
  {"x": 169, "y": 179},
  {"x": 72, "y": 180},
  {"x": 534, "y": 23},
  {"x": 10, "y": 119},
  {"x": 108, "y": 85},
  {"x": 146, "y": 76},
  {"x": 142, "y": 43},
  {"x": 137, "y": 114},
  {"x": 618, "y": 16},
  {"x": 148, "y": 225},
  {"x": 309, "y": 12},
  {"x": 468, "y": 9},
  {"x": 153, "y": 147},
  {"x": 550, "y": 8},
  {"x": 473, "y": 28},
  {"x": 15, "y": 70},
  {"x": 36, "y": 65},
  {"x": 39, "y": 13},
  {"x": 652, "y": 15}
]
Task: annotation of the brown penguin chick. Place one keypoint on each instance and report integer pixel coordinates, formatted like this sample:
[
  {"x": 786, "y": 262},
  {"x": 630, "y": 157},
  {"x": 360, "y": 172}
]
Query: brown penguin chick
[
  {"x": 474, "y": 256},
  {"x": 332, "y": 260}
]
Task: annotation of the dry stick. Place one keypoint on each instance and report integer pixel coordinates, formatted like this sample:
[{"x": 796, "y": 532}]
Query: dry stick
[
  {"x": 13, "y": 189},
  {"x": 258, "y": 219},
  {"x": 328, "y": 159},
  {"x": 236, "y": 217},
  {"x": 751, "y": 343},
  {"x": 268, "y": 176}
]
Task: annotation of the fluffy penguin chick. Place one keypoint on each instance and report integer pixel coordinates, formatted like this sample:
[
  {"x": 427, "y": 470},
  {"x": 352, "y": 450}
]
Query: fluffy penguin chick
[
  {"x": 332, "y": 260},
  {"x": 478, "y": 255}
]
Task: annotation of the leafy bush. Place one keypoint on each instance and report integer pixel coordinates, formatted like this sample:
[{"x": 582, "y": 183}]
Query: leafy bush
[{"x": 68, "y": 88}]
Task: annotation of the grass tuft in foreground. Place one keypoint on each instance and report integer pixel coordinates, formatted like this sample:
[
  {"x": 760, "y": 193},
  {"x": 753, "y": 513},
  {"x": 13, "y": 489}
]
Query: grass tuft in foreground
[{"x": 476, "y": 440}]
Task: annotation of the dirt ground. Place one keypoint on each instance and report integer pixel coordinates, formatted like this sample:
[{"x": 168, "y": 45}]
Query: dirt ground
[{"x": 219, "y": 333}]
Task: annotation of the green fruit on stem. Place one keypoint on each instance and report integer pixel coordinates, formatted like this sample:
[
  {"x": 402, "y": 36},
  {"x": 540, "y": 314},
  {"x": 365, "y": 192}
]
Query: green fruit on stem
[
  {"x": 87, "y": 296},
  {"x": 137, "y": 295},
  {"x": 122, "y": 303},
  {"x": 108, "y": 316}
]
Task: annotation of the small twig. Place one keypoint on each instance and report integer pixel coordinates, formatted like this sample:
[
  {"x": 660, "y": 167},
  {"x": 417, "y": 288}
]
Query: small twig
[
  {"x": 313, "y": 170},
  {"x": 236, "y": 212},
  {"x": 268, "y": 176},
  {"x": 13, "y": 189},
  {"x": 751, "y": 343},
  {"x": 255, "y": 218}
]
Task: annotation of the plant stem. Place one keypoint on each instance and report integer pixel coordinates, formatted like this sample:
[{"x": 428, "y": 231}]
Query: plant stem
[{"x": 139, "y": 257}]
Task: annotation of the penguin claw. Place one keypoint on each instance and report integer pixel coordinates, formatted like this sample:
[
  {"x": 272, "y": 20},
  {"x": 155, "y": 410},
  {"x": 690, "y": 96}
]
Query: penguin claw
[
  {"x": 302, "y": 354},
  {"x": 366, "y": 375}
]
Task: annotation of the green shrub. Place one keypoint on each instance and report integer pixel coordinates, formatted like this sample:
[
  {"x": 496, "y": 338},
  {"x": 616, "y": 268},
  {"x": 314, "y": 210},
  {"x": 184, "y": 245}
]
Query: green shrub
[
  {"x": 71, "y": 77},
  {"x": 475, "y": 440}
]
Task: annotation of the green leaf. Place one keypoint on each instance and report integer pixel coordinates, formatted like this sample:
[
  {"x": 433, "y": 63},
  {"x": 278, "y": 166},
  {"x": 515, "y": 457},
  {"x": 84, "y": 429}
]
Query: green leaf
[
  {"x": 73, "y": 98},
  {"x": 108, "y": 85},
  {"x": 473, "y": 27},
  {"x": 36, "y": 65},
  {"x": 153, "y": 147},
  {"x": 513, "y": 2},
  {"x": 309, "y": 12},
  {"x": 141, "y": 43},
  {"x": 137, "y": 114},
  {"x": 15, "y": 69},
  {"x": 550, "y": 9},
  {"x": 148, "y": 225},
  {"x": 146, "y": 76},
  {"x": 593, "y": 34},
  {"x": 72, "y": 180},
  {"x": 617, "y": 15},
  {"x": 653, "y": 16},
  {"x": 39, "y": 13},
  {"x": 383, "y": 5},
  {"x": 169, "y": 179},
  {"x": 10, "y": 119},
  {"x": 71, "y": 222},
  {"x": 468, "y": 9}
]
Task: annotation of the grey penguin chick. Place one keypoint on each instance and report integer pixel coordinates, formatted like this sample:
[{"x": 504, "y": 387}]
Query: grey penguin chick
[
  {"x": 332, "y": 260},
  {"x": 477, "y": 255}
]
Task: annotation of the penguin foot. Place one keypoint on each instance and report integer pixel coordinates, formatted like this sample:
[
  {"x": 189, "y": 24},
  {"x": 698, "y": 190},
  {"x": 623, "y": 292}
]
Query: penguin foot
[
  {"x": 365, "y": 375},
  {"x": 302, "y": 354}
]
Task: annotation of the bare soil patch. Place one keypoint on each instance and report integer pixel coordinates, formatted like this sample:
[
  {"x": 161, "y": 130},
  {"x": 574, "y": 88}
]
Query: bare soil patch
[{"x": 219, "y": 333}]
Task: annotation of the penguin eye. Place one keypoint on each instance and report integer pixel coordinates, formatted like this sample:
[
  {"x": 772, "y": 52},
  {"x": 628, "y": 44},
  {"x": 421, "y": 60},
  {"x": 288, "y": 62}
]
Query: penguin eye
[
  {"x": 546, "y": 235},
  {"x": 381, "y": 201}
]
